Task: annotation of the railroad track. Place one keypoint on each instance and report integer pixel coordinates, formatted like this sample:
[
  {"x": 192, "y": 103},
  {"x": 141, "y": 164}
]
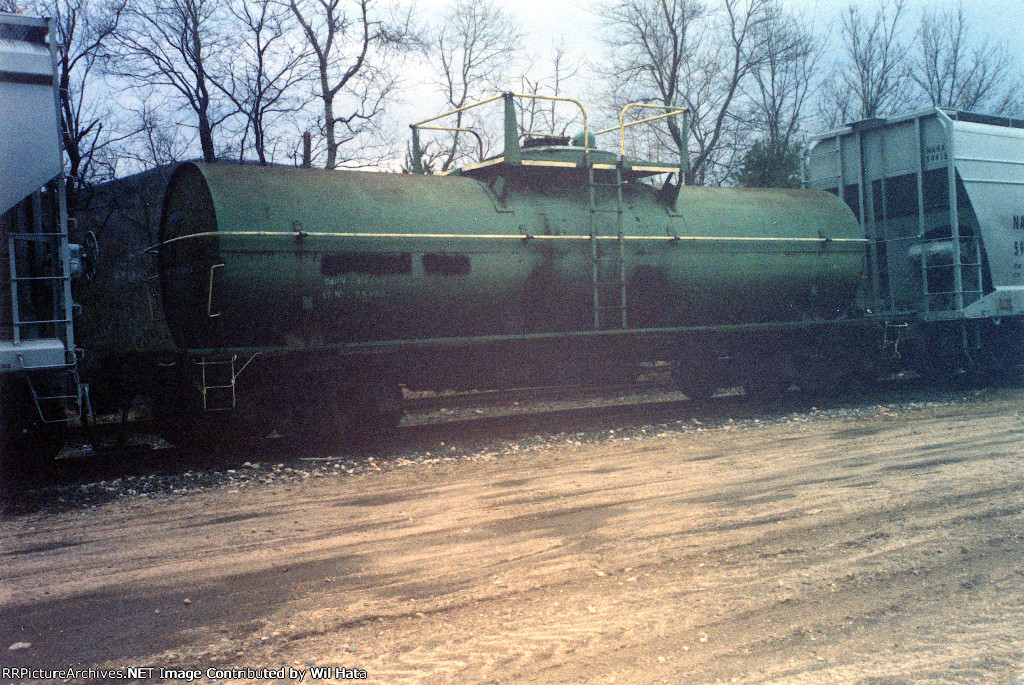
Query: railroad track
[
  {"x": 146, "y": 465},
  {"x": 468, "y": 421},
  {"x": 112, "y": 448}
]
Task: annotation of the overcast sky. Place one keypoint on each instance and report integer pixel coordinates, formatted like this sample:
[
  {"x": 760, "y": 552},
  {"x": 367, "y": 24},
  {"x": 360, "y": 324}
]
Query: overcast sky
[
  {"x": 546, "y": 21},
  {"x": 1004, "y": 19}
]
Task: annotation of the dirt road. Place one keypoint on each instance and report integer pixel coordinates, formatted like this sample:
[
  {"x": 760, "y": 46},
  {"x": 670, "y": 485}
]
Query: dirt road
[{"x": 884, "y": 546}]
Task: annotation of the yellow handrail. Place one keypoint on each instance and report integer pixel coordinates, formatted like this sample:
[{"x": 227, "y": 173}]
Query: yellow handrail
[
  {"x": 558, "y": 98},
  {"x": 455, "y": 111},
  {"x": 621, "y": 128},
  {"x": 421, "y": 125}
]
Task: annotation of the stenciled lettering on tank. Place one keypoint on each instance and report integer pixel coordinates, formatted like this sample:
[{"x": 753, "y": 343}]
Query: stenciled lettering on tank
[{"x": 351, "y": 286}]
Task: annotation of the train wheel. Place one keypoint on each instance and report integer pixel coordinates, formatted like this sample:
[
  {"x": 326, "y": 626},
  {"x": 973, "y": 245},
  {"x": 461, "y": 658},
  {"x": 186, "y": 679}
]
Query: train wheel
[
  {"x": 945, "y": 372},
  {"x": 824, "y": 376},
  {"x": 768, "y": 377},
  {"x": 207, "y": 436},
  {"x": 695, "y": 380},
  {"x": 202, "y": 435},
  {"x": 175, "y": 419},
  {"x": 376, "y": 412},
  {"x": 767, "y": 386},
  {"x": 346, "y": 416}
]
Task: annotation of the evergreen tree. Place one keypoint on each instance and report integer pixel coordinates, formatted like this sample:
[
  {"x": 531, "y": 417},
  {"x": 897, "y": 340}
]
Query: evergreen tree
[{"x": 765, "y": 166}]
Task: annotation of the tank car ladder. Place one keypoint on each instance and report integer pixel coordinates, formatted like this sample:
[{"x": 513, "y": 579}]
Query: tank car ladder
[{"x": 609, "y": 301}]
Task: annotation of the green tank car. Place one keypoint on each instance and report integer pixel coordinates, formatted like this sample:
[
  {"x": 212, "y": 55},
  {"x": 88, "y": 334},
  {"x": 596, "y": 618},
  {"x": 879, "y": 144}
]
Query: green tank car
[{"x": 312, "y": 295}]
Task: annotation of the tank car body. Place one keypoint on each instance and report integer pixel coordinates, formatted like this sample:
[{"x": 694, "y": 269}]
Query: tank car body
[
  {"x": 297, "y": 258},
  {"x": 310, "y": 295}
]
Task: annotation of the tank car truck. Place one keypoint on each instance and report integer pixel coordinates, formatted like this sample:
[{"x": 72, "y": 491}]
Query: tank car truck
[
  {"x": 39, "y": 384},
  {"x": 939, "y": 194},
  {"x": 299, "y": 301}
]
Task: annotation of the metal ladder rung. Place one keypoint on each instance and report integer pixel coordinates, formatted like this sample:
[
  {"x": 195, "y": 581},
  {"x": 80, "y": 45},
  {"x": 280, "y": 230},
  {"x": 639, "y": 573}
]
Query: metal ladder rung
[
  {"x": 950, "y": 266},
  {"x": 17, "y": 279},
  {"x": 33, "y": 236},
  {"x": 58, "y": 397},
  {"x": 28, "y": 323}
]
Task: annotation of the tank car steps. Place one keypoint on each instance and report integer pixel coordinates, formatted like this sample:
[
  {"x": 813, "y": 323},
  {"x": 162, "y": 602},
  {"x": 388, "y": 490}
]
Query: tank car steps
[{"x": 218, "y": 383}]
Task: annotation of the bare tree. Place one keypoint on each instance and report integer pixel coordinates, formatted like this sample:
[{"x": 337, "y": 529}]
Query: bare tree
[
  {"x": 681, "y": 52},
  {"x": 540, "y": 116},
  {"x": 349, "y": 48},
  {"x": 784, "y": 79},
  {"x": 871, "y": 78},
  {"x": 263, "y": 72},
  {"x": 158, "y": 144},
  {"x": 472, "y": 46},
  {"x": 955, "y": 71},
  {"x": 84, "y": 29},
  {"x": 173, "y": 44}
]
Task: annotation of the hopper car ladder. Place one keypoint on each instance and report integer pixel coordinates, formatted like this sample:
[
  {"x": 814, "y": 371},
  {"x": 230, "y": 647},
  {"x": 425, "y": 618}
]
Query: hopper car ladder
[
  {"x": 49, "y": 287},
  {"x": 56, "y": 282},
  {"x": 608, "y": 271},
  {"x": 51, "y": 408},
  {"x": 966, "y": 289}
]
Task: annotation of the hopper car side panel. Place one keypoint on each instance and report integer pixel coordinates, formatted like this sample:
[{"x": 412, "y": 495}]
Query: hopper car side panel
[
  {"x": 940, "y": 195},
  {"x": 39, "y": 383}
]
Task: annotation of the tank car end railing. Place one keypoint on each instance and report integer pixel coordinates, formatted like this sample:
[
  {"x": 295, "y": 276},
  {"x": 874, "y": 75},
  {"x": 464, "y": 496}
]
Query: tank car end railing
[
  {"x": 512, "y": 153},
  {"x": 670, "y": 111}
]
